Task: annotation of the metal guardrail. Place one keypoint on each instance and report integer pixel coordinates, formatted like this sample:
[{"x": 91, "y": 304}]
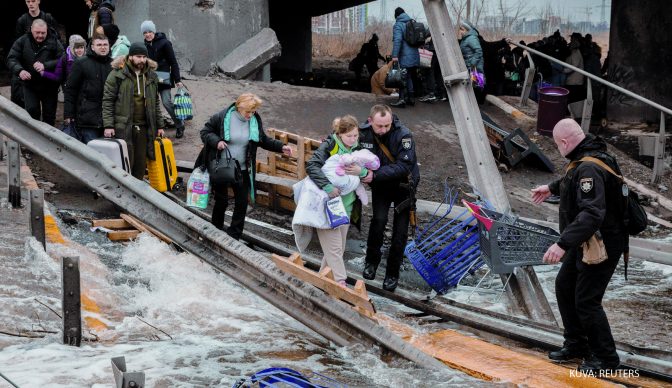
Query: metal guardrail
[
  {"x": 328, "y": 317},
  {"x": 658, "y": 163}
]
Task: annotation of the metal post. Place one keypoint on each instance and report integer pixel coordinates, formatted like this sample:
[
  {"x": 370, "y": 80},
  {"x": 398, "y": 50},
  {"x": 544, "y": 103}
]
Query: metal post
[
  {"x": 72, "y": 314},
  {"x": 483, "y": 173},
  {"x": 530, "y": 72},
  {"x": 123, "y": 379},
  {"x": 658, "y": 158},
  {"x": 14, "y": 173},
  {"x": 587, "y": 113},
  {"x": 37, "y": 215},
  {"x": 3, "y": 151}
]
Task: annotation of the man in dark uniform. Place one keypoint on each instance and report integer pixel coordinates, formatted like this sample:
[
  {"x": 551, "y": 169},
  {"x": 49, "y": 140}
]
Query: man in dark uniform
[
  {"x": 591, "y": 201},
  {"x": 384, "y": 135}
]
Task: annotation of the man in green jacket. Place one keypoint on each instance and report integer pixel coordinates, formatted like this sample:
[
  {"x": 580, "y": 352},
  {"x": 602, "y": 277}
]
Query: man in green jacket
[{"x": 131, "y": 109}]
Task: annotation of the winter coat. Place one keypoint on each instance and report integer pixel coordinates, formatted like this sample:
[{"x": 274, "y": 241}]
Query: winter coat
[
  {"x": 328, "y": 148},
  {"x": 100, "y": 15},
  {"x": 63, "y": 67},
  {"x": 161, "y": 50},
  {"x": 26, "y": 51},
  {"x": 590, "y": 198},
  {"x": 84, "y": 90},
  {"x": 378, "y": 81},
  {"x": 408, "y": 56},
  {"x": 399, "y": 141},
  {"x": 118, "y": 101},
  {"x": 25, "y": 21},
  {"x": 120, "y": 47},
  {"x": 472, "y": 52},
  {"x": 217, "y": 129}
]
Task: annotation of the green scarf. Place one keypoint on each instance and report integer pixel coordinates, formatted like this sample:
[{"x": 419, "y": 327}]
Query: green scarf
[{"x": 254, "y": 126}]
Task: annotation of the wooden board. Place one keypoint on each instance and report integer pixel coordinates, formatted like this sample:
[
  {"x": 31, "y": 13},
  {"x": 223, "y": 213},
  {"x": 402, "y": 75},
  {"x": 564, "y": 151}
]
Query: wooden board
[
  {"x": 123, "y": 235},
  {"x": 137, "y": 224},
  {"x": 112, "y": 224},
  {"x": 324, "y": 280}
]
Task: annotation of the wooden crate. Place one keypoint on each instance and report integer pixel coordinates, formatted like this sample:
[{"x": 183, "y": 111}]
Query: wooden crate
[{"x": 280, "y": 196}]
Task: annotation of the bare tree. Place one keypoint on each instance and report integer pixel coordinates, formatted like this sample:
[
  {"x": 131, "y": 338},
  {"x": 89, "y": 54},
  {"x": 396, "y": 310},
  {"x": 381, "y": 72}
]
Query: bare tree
[{"x": 510, "y": 14}]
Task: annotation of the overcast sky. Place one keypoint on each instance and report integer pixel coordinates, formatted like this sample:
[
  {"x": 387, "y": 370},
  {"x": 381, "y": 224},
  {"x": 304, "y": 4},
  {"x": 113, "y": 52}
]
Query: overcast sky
[{"x": 575, "y": 10}]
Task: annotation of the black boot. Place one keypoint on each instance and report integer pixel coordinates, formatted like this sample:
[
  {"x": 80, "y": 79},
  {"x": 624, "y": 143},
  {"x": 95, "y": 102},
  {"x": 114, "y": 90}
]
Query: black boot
[
  {"x": 369, "y": 271},
  {"x": 595, "y": 365},
  {"x": 566, "y": 354},
  {"x": 390, "y": 283},
  {"x": 179, "y": 133}
]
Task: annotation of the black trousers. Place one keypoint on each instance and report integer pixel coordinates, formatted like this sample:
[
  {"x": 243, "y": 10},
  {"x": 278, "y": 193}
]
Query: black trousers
[
  {"x": 579, "y": 289},
  {"x": 241, "y": 191},
  {"x": 41, "y": 103},
  {"x": 380, "y": 203},
  {"x": 411, "y": 84}
]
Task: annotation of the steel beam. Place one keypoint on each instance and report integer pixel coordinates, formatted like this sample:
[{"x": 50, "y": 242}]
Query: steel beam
[
  {"x": 37, "y": 216},
  {"x": 328, "y": 317},
  {"x": 524, "y": 291},
  {"x": 124, "y": 379},
  {"x": 14, "y": 173},
  {"x": 659, "y": 154},
  {"x": 71, "y": 302}
]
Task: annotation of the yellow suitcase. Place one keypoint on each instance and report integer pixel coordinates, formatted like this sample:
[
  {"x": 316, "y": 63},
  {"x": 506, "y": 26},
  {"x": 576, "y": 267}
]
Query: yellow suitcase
[{"x": 162, "y": 170}]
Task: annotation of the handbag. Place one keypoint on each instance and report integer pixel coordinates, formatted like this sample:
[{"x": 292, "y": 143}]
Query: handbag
[
  {"x": 425, "y": 58},
  {"x": 164, "y": 78},
  {"x": 594, "y": 251},
  {"x": 224, "y": 170},
  {"x": 396, "y": 77},
  {"x": 184, "y": 106}
]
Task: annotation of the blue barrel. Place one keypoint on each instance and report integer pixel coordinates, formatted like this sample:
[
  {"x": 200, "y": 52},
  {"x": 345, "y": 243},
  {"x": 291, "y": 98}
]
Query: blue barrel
[{"x": 552, "y": 107}]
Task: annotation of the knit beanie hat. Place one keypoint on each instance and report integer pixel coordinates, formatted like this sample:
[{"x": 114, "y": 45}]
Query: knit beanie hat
[
  {"x": 111, "y": 31},
  {"x": 137, "y": 48},
  {"x": 398, "y": 12},
  {"x": 76, "y": 41},
  {"x": 147, "y": 26},
  {"x": 467, "y": 26}
]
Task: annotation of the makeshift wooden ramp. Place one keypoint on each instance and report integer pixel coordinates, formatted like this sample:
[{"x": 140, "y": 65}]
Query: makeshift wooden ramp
[{"x": 458, "y": 351}]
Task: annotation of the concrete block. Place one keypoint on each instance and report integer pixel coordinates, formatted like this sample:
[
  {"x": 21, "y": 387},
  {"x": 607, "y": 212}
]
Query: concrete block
[{"x": 252, "y": 55}]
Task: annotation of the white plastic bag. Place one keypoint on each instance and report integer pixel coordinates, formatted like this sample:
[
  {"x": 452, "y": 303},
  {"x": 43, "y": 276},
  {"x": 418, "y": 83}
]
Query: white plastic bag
[{"x": 198, "y": 188}]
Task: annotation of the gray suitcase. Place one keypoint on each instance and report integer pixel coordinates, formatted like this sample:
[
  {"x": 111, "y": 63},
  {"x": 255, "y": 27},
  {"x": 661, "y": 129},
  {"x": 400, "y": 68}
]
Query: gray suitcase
[{"x": 114, "y": 149}]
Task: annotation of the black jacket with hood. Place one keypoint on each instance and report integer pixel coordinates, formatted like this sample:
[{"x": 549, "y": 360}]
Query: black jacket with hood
[
  {"x": 161, "y": 51},
  {"x": 26, "y": 51},
  {"x": 84, "y": 90}
]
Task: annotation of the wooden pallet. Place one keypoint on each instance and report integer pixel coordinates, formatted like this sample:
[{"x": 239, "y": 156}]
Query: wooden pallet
[
  {"x": 128, "y": 228},
  {"x": 280, "y": 196},
  {"x": 324, "y": 280}
]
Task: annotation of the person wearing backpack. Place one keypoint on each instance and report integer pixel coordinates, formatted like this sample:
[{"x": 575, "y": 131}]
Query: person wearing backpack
[
  {"x": 592, "y": 205},
  {"x": 407, "y": 57}
]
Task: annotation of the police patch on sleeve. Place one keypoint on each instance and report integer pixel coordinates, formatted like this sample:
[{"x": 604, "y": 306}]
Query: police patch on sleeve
[
  {"x": 586, "y": 184},
  {"x": 406, "y": 144}
]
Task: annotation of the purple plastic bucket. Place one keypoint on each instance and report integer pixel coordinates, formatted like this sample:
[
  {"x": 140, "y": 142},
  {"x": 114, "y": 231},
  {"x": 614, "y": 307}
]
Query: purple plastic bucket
[{"x": 552, "y": 107}]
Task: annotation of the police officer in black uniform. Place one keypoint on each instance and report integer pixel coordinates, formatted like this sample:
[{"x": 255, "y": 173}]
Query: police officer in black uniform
[
  {"x": 591, "y": 201},
  {"x": 384, "y": 135}
]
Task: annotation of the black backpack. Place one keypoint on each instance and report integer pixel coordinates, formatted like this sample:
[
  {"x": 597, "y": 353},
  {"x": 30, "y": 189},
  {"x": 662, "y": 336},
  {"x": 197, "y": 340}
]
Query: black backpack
[
  {"x": 634, "y": 216},
  {"x": 415, "y": 33}
]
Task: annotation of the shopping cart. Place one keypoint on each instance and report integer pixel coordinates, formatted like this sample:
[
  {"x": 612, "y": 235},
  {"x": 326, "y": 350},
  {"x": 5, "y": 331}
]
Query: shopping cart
[
  {"x": 447, "y": 249},
  {"x": 508, "y": 242}
]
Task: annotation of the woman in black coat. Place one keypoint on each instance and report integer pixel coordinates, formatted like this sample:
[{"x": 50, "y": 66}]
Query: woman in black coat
[{"x": 239, "y": 129}]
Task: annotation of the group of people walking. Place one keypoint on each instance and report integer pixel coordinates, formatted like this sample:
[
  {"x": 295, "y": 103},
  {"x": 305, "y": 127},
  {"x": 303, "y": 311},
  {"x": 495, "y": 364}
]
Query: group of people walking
[{"x": 110, "y": 87}]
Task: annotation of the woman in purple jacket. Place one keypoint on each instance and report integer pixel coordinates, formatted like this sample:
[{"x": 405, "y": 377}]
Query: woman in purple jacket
[{"x": 76, "y": 49}]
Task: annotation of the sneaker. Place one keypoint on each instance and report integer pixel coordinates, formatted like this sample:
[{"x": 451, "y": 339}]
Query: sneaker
[
  {"x": 427, "y": 98},
  {"x": 399, "y": 104}
]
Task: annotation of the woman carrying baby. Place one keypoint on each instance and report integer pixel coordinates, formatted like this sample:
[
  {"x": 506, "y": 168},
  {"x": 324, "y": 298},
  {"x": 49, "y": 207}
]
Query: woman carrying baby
[{"x": 343, "y": 140}]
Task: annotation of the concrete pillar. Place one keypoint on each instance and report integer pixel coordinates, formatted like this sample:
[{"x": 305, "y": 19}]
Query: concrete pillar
[
  {"x": 293, "y": 29},
  {"x": 640, "y": 55},
  {"x": 202, "y": 33}
]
